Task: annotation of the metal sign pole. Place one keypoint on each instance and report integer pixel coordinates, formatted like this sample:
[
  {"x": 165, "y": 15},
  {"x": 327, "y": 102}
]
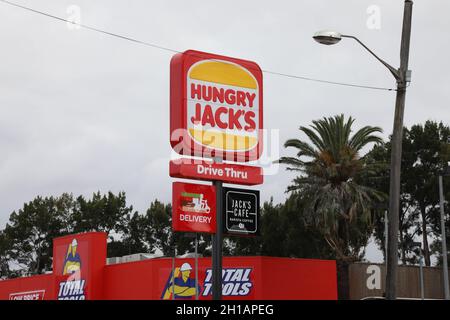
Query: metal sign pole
[
  {"x": 196, "y": 267},
  {"x": 217, "y": 242},
  {"x": 173, "y": 273},
  {"x": 217, "y": 246}
]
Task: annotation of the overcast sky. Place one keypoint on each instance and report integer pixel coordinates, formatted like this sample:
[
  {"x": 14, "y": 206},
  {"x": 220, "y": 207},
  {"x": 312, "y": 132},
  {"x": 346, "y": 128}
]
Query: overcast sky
[{"x": 82, "y": 111}]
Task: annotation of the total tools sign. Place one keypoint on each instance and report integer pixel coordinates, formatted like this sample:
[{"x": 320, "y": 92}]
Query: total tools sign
[
  {"x": 251, "y": 278},
  {"x": 238, "y": 283},
  {"x": 217, "y": 101},
  {"x": 78, "y": 265}
]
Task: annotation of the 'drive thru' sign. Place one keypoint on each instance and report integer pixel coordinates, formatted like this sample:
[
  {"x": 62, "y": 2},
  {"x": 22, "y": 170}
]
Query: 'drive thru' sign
[{"x": 225, "y": 172}]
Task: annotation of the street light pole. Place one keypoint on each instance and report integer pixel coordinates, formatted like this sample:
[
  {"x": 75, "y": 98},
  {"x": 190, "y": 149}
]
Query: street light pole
[
  {"x": 402, "y": 76},
  {"x": 444, "y": 242},
  {"x": 396, "y": 155}
]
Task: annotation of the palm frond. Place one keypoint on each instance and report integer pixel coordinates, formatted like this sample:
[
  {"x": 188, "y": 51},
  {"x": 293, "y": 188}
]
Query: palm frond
[
  {"x": 315, "y": 139},
  {"x": 305, "y": 149},
  {"x": 364, "y": 136}
]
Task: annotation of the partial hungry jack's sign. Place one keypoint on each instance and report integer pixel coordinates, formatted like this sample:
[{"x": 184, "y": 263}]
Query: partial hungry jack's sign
[
  {"x": 241, "y": 211},
  {"x": 216, "y": 106},
  {"x": 193, "y": 207},
  {"x": 208, "y": 170}
]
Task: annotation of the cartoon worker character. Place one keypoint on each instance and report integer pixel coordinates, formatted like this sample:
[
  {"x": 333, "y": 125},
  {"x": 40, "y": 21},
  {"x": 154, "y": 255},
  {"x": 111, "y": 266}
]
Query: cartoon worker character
[
  {"x": 183, "y": 285},
  {"x": 72, "y": 262}
]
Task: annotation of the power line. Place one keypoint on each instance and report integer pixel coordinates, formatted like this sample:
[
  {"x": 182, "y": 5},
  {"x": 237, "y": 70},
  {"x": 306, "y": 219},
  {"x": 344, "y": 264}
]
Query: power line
[
  {"x": 90, "y": 28},
  {"x": 327, "y": 81},
  {"x": 177, "y": 51}
]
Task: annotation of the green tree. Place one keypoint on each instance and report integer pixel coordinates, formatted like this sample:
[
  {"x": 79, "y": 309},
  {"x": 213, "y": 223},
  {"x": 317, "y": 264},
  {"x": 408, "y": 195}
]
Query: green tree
[
  {"x": 132, "y": 237},
  {"x": 4, "y": 257},
  {"x": 283, "y": 234},
  {"x": 160, "y": 236},
  {"x": 421, "y": 179},
  {"x": 334, "y": 203},
  {"x": 425, "y": 153},
  {"x": 101, "y": 213},
  {"x": 159, "y": 232},
  {"x": 378, "y": 178},
  {"x": 65, "y": 207},
  {"x": 302, "y": 240},
  {"x": 108, "y": 213},
  {"x": 26, "y": 242},
  {"x": 30, "y": 232}
]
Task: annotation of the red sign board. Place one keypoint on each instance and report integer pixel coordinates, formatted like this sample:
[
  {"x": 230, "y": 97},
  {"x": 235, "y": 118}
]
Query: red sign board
[
  {"x": 193, "y": 207},
  {"x": 216, "y": 106},
  {"x": 28, "y": 295},
  {"x": 78, "y": 262},
  {"x": 207, "y": 170}
]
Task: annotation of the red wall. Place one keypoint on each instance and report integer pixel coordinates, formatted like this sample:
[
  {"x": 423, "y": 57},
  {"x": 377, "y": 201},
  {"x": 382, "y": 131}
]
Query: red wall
[
  {"x": 271, "y": 278},
  {"x": 299, "y": 279},
  {"x": 40, "y": 282},
  {"x": 135, "y": 280},
  {"x": 243, "y": 278}
]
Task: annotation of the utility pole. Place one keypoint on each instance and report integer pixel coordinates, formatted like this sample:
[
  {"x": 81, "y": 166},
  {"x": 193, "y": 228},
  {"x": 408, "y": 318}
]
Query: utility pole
[
  {"x": 403, "y": 76},
  {"x": 386, "y": 228},
  {"x": 396, "y": 154},
  {"x": 444, "y": 240}
]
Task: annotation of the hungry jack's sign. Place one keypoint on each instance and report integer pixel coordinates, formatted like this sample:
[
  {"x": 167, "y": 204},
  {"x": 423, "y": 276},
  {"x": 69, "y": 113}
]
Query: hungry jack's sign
[
  {"x": 216, "y": 106},
  {"x": 216, "y": 111}
]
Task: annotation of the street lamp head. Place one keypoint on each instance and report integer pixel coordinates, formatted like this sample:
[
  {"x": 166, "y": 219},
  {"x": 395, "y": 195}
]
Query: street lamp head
[{"x": 327, "y": 37}]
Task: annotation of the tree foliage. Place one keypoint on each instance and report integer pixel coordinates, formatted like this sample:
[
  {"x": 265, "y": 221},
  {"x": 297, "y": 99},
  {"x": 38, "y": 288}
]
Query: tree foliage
[
  {"x": 425, "y": 154},
  {"x": 328, "y": 166},
  {"x": 335, "y": 203},
  {"x": 284, "y": 233},
  {"x": 26, "y": 242}
]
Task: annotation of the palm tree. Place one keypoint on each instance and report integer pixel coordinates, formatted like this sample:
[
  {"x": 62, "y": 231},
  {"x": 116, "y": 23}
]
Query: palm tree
[{"x": 336, "y": 204}]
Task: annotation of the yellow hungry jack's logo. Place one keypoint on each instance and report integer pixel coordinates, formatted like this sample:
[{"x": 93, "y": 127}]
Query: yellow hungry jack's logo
[
  {"x": 222, "y": 105},
  {"x": 223, "y": 73}
]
